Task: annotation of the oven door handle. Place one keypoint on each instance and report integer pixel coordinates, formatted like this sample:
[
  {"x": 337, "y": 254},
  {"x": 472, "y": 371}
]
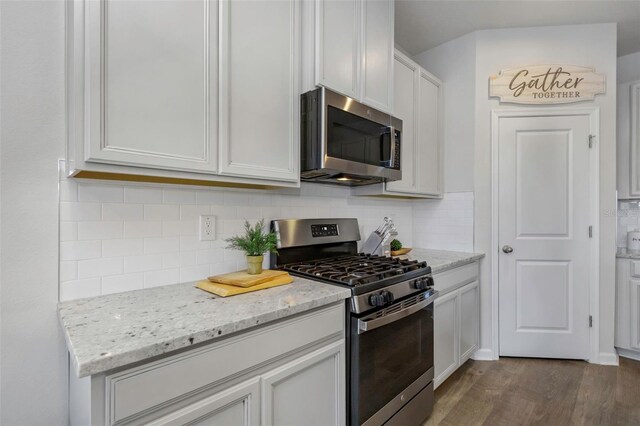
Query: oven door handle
[{"x": 364, "y": 326}]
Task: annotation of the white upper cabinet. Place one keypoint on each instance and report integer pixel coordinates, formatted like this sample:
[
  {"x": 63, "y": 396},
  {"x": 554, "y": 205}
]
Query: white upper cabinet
[
  {"x": 418, "y": 103},
  {"x": 338, "y": 45},
  {"x": 629, "y": 140},
  {"x": 259, "y": 103},
  {"x": 377, "y": 55},
  {"x": 152, "y": 81},
  {"x": 428, "y": 145},
  {"x": 405, "y": 89},
  {"x": 348, "y": 47},
  {"x": 200, "y": 89}
]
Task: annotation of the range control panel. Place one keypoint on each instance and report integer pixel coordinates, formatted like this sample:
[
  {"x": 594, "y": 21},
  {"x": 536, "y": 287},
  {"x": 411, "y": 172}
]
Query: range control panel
[{"x": 328, "y": 230}]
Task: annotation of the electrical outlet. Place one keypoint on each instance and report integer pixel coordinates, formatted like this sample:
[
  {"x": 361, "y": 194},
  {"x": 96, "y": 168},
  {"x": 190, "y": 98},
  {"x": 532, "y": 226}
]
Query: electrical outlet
[{"x": 207, "y": 228}]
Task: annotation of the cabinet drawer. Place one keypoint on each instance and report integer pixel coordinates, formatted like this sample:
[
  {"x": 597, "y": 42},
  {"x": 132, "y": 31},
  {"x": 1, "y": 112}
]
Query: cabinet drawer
[
  {"x": 138, "y": 390},
  {"x": 454, "y": 278},
  {"x": 635, "y": 268}
]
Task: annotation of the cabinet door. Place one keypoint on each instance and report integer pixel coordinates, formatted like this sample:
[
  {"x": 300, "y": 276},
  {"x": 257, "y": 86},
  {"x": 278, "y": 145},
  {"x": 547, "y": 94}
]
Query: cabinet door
[
  {"x": 428, "y": 136},
  {"x": 445, "y": 345},
  {"x": 337, "y": 46},
  {"x": 404, "y": 107},
  {"x": 634, "y": 310},
  {"x": 259, "y": 89},
  {"x": 307, "y": 391},
  {"x": 377, "y": 65},
  {"x": 634, "y": 140},
  {"x": 151, "y": 83},
  {"x": 469, "y": 320},
  {"x": 238, "y": 405}
]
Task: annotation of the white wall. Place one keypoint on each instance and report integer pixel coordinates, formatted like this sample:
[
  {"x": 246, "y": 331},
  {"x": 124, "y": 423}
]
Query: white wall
[
  {"x": 119, "y": 237},
  {"x": 33, "y": 360},
  {"x": 593, "y": 45},
  {"x": 454, "y": 63}
]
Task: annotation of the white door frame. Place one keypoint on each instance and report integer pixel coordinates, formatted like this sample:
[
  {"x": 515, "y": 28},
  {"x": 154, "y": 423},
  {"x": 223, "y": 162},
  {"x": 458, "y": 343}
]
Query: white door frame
[{"x": 594, "y": 185}]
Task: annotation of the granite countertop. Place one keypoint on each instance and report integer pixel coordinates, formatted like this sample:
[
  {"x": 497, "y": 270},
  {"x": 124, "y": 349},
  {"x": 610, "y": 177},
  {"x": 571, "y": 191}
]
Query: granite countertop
[
  {"x": 442, "y": 260},
  {"x": 106, "y": 332},
  {"x": 622, "y": 253}
]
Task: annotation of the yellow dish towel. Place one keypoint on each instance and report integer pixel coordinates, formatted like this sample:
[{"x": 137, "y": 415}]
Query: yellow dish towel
[
  {"x": 244, "y": 279},
  {"x": 225, "y": 290}
]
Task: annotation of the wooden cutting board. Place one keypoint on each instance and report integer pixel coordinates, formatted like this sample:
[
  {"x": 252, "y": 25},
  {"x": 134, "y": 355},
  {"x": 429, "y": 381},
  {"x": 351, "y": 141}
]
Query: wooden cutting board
[
  {"x": 244, "y": 279},
  {"x": 225, "y": 290}
]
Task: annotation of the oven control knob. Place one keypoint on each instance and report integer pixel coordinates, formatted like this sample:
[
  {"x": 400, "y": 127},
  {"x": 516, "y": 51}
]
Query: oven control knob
[
  {"x": 381, "y": 299},
  {"x": 423, "y": 283}
]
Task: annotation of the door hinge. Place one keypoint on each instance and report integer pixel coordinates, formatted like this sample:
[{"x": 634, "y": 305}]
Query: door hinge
[
  {"x": 590, "y": 231},
  {"x": 591, "y": 140},
  {"x": 590, "y": 321}
]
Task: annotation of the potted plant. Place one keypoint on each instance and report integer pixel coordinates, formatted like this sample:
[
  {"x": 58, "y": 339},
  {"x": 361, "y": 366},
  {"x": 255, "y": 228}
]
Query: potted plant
[{"x": 255, "y": 243}]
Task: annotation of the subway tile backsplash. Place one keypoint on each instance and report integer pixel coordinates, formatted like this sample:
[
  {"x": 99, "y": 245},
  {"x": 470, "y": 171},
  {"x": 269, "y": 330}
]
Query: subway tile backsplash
[
  {"x": 445, "y": 224},
  {"x": 628, "y": 220},
  {"x": 117, "y": 237}
]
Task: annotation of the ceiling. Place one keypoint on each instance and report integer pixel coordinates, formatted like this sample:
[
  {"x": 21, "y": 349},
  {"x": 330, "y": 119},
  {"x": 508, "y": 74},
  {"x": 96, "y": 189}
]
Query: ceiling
[{"x": 424, "y": 24}]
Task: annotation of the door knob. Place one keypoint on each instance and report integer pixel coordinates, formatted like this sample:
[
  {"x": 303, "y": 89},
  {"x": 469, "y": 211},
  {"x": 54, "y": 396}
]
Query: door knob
[{"x": 507, "y": 249}]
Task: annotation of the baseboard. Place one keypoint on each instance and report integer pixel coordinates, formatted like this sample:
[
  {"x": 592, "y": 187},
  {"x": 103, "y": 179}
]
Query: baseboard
[
  {"x": 609, "y": 358},
  {"x": 628, "y": 353},
  {"x": 483, "y": 355}
]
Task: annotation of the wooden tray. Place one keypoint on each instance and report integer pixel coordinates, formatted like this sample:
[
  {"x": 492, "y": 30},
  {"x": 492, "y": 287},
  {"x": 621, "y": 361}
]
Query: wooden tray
[
  {"x": 225, "y": 290},
  {"x": 243, "y": 279},
  {"x": 401, "y": 251}
]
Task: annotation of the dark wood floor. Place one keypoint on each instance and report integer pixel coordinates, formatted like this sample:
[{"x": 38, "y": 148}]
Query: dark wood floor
[{"x": 521, "y": 391}]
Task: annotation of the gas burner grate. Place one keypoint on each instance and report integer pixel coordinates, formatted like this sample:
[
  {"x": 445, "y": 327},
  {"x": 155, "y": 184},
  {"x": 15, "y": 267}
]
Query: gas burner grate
[{"x": 357, "y": 269}]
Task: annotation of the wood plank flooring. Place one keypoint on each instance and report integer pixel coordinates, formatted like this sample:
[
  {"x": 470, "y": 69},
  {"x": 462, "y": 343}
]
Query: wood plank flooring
[{"x": 522, "y": 391}]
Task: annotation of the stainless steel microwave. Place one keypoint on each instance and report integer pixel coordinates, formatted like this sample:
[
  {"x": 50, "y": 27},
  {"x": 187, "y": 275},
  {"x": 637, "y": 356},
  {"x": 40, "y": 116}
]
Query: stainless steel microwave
[{"x": 348, "y": 143}]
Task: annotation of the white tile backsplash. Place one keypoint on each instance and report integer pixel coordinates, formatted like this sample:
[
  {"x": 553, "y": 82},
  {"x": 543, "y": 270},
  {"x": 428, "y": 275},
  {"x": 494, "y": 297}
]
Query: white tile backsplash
[
  {"x": 118, "y": 237},
  {"x": 445, "y": 224},
  {"x": 628, "y": 220}
]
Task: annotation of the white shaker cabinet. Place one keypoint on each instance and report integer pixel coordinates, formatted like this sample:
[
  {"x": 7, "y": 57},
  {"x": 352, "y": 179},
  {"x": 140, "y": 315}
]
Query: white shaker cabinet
[
  {"x": 628, "y": 307},
  {"x": 348, "y": 47},
  {"x": 197, "y": 90},
  {"x": 456, "y": 319},
  {"x": 259, "y": 89},
  {"x": 418, "y": 103},
  {"x": 628, "y": 146},
  {"x": 289, "y": 372}
]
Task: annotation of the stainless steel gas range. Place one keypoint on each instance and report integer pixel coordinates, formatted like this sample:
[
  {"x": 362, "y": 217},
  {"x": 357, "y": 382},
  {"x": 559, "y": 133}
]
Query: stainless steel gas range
[{"x": 389, "y": 318}]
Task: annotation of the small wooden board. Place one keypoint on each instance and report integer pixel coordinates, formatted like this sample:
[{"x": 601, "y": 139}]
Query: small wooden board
[
  {"x": 225, "y": 290},
  {"x": 244, "y": 279},
  {"x": 400, "y": 252}
]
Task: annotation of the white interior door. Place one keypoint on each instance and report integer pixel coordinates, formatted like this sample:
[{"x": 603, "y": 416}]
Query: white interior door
[{"x": 544, "y": 210}]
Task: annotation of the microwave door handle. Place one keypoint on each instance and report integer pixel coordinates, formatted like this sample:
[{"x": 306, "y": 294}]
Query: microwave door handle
[{"x": 391, "y": 131}]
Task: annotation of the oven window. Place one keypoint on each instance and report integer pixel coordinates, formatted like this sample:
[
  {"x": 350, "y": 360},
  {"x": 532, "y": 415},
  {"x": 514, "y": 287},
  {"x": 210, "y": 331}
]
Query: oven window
[
  {"x": 385, "y": 360},
  {"x": 357, "y": 139}
]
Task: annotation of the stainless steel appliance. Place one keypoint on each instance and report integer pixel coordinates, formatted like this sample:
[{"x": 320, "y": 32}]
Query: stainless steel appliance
[
  {"x": 346, "y": 142},
  {"x": 389, "y": 318}
]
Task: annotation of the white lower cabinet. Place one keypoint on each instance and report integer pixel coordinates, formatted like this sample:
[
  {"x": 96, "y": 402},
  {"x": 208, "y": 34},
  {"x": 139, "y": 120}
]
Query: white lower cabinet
[
  {"x": 238, "y": 405},
  {"x": 288, "y": 373},
  {"x": 307, "y": 391},
  {"x": 456, "y": 319},
  {"x": 628, "y": 307}
]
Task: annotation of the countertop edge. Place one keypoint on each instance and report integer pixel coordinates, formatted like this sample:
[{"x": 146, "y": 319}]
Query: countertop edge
[
  {"x": 457, "y": 263},
  {"x": 170, "y": 346}
]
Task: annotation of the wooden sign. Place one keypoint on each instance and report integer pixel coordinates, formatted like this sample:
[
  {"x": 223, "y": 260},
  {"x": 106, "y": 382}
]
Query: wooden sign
[{"x": 546, "y": 84}]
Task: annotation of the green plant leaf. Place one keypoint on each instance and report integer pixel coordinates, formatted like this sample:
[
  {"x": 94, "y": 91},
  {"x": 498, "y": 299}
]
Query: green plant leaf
[{"x": 255, "y": 241}]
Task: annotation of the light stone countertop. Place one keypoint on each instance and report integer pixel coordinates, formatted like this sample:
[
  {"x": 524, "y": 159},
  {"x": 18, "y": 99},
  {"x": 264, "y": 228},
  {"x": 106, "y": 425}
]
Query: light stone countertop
[
  {"x": 107, "y": 332},
  {"x": 442, "y": 260},
  {"x": 622, "y": 253}
]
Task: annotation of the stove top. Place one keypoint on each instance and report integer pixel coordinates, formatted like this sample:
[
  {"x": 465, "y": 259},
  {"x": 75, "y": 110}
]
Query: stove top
[{"x": 359, "y": 270}]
